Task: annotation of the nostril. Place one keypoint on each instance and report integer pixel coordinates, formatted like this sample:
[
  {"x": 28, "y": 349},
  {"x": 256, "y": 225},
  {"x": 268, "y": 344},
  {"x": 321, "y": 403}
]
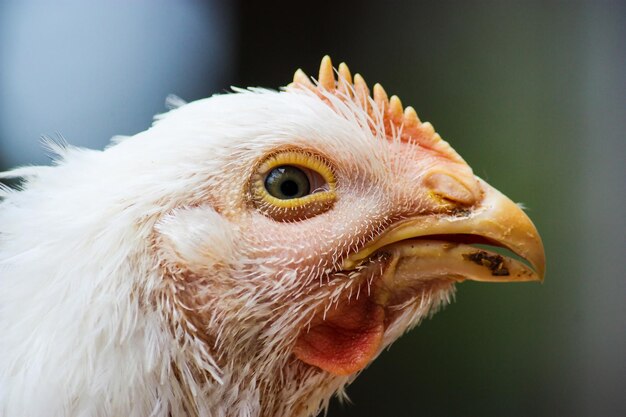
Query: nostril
[{"x": 451, "y": 188}]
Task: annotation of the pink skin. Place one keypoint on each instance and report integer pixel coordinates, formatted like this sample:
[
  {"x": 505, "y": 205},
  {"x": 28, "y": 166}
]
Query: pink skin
[{"x": 314, "y": 248}]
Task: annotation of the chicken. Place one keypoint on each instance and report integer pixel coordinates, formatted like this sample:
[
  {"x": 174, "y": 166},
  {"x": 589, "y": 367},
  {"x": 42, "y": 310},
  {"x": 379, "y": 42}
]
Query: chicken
[{"x": 248, "y": 255}]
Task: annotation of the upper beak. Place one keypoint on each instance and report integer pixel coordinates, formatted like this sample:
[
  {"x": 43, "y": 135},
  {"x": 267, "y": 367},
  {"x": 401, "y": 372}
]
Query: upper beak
[{"x": 441, "y": 244}]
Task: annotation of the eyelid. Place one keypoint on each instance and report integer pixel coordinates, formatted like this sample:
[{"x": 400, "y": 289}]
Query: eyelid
[
  {"x": 320, "y": 175},
  {"x": 301, "y": 159},
  {"x": 317, "y": 182}
]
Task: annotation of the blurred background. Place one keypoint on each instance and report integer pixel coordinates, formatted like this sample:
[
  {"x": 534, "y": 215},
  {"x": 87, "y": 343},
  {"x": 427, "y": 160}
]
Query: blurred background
[{"x": 531, "y": 93}]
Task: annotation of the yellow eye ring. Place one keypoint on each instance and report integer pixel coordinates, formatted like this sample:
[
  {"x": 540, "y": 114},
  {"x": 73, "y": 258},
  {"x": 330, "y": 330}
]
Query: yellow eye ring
[{"x": 289, "y": 169}]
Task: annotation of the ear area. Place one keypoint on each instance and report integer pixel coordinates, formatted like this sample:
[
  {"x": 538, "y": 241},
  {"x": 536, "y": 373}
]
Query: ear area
[{"x": 196, "y": 239}]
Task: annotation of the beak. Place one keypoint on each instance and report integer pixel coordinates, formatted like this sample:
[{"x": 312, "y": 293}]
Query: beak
[{"x": 441, "y": 245}]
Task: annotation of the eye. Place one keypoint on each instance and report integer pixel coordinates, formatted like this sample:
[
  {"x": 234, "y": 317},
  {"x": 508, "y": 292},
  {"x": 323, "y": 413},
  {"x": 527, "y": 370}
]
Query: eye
[
  {"x": 286, "y": 182},
  {"x": 293, "y": 185}
]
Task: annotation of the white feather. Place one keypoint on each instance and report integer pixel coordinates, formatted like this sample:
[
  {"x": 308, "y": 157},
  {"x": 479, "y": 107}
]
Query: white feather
[{"x": 89, "y": 324}]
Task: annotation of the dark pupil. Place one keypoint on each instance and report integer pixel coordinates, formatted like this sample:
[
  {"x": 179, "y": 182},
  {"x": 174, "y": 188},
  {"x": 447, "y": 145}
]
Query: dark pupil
[
  {"x": 286, "y": 182},
  {"x": 289, "y": 188}
]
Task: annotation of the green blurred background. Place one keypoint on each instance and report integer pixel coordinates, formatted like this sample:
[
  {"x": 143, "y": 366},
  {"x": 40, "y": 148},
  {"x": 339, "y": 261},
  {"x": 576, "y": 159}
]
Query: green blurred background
[{"x": 532, "y": 94}]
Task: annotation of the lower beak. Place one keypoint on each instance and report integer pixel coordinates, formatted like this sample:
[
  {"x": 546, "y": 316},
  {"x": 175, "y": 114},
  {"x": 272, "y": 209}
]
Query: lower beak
[{"x": 443, "y": 244}]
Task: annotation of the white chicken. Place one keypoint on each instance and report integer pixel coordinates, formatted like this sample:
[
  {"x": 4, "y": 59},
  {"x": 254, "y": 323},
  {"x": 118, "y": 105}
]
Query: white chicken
[{"x": 247, "y": 255}]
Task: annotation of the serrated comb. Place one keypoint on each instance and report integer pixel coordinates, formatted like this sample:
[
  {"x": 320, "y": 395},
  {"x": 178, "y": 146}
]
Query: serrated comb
[{"x": 398, "y": 120}]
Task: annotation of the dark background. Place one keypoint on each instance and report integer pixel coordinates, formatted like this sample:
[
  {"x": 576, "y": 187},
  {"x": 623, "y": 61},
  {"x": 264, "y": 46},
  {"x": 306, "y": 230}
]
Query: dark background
[{"x": 532, "y": 94}]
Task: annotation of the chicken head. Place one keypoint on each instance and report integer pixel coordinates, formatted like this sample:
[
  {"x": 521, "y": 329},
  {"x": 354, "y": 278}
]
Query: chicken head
[{"x": 248, "y": 255}]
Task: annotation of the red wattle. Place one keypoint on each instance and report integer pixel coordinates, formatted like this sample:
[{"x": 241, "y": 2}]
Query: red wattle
[{"x": 347, "y": 340}]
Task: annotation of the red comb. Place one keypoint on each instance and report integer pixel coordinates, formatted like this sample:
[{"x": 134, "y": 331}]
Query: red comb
[{"x": 397, "y": 120}]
